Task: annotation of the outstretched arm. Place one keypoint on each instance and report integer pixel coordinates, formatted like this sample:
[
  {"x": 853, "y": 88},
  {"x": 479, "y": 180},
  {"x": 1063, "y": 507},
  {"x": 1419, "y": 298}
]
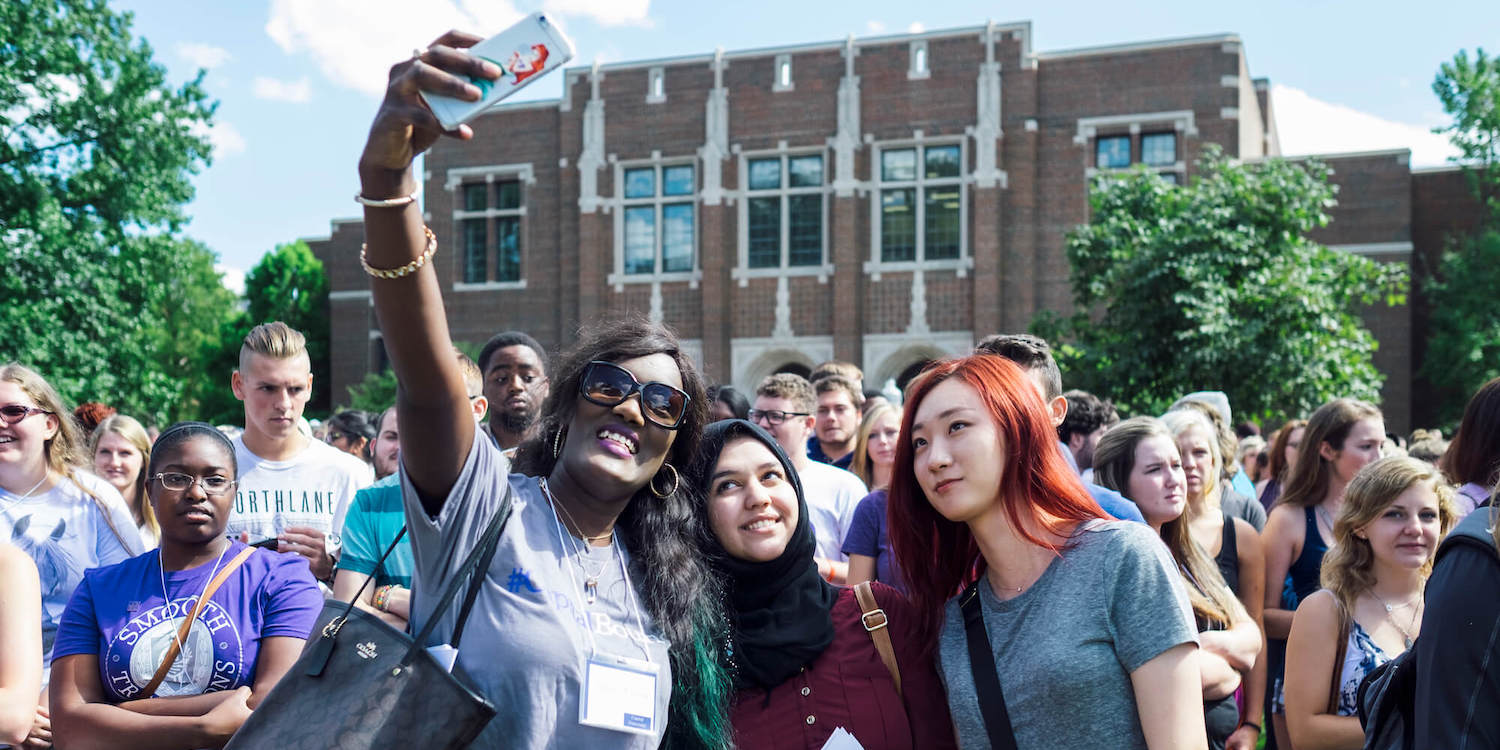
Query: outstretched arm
[{"x": 431, "y": 400}]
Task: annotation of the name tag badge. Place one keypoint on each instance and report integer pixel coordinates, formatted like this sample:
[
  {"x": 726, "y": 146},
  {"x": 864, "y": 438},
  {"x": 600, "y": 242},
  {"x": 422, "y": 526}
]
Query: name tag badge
[{"x": 619, "y": 694}]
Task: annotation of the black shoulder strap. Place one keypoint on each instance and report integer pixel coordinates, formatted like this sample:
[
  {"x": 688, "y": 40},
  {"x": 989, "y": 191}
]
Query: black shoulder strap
[
  {"x": 986, "y": 679},
  {"x": 472, "y": 572}
]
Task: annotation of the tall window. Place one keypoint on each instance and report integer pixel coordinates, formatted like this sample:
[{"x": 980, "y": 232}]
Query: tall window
[
  {"x": 921, "y": 194},
  {"x": 659, "y": 219},
  {"x": 490, "y": 218},
  {"x": 784, "y": 211}
]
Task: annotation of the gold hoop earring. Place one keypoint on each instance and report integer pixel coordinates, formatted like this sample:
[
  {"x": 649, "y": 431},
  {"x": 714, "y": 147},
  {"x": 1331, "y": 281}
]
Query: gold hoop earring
[
  {"x": 676, "y": 481},
  {"x": 557, "y": 440}
]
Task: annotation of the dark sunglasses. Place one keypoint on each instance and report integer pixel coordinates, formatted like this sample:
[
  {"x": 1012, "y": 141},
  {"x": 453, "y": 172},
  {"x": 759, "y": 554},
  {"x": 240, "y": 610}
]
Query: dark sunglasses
[
  {"x": 14, "y": 413},
  {"x": 608, "y": 384}
]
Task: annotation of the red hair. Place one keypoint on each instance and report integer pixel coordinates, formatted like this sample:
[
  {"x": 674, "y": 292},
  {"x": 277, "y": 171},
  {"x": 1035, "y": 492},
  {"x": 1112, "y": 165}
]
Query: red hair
[{"x": 1038, "y": 489}]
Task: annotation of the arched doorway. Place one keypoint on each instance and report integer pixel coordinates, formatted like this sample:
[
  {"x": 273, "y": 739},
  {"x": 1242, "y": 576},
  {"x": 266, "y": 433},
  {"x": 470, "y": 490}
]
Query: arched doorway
[{"x": 911, "y": 372}]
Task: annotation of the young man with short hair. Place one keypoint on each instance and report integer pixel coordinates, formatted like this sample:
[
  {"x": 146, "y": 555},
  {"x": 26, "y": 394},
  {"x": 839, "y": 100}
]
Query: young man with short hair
[
  {"x": 1034, "y": 355},
  {"x": 784, "y": 406},
  {"x": 376, "y": 517},
  {"x": 289, "y": 486},
  {"x": 1083, "y": 425},
  {"x": 514, "y": 367},
  {"x": 837, "y": 424}
]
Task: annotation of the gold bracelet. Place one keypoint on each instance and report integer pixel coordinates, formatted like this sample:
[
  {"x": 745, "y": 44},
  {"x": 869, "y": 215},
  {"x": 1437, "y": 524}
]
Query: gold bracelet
[{"x": 409, "y": 268}]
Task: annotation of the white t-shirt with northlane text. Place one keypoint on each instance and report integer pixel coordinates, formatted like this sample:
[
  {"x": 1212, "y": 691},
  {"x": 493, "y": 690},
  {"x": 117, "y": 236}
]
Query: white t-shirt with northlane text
[{"x": 312, "y": 489}]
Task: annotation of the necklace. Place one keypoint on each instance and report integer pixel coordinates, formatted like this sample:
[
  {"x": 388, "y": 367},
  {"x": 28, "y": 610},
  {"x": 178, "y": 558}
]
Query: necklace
[
  {"x": 1390, "y": 608},
  {"x": 573, "y": 527},
  {"x": 161, "y": 568},
  {"x": 1324, "y": 516},
  {"x": 45, "y": 476},
  {"x": 590, "y": 577}
]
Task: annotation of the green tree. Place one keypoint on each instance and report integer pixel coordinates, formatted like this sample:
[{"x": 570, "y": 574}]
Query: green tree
[
  {"x": 1463, "y": 345},
  {"x": 373, "y": 394},
  {"x": 95, "y": 167},
  {"x": 288, "y": 284},
  {"x": 1215, "y": 285}
]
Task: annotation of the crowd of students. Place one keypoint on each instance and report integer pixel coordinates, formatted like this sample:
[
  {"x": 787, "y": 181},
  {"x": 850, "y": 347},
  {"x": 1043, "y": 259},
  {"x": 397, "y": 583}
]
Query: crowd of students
[{"x": 986, "y": 560}]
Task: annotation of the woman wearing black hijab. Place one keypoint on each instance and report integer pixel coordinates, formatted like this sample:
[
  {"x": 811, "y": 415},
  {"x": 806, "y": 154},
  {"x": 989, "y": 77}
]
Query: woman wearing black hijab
[{"x": 803, "y": 662}]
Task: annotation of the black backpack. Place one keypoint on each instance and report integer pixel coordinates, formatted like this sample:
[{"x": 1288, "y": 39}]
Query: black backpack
[{"x": 1387, "y": 697}]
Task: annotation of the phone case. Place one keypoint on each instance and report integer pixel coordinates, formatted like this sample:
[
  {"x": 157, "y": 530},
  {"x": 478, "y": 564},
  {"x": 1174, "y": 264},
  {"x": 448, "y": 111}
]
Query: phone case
[{"x": 525, "y": 52}]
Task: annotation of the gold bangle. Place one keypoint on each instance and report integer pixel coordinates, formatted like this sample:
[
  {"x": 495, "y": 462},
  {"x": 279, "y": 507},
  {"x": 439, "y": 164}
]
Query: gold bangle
[{"x": 409, "y": 268}]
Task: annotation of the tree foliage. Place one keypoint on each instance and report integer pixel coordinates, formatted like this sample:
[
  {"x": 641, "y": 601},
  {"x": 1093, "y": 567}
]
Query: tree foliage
[
  {"x": 96, "y": 163},
  {"x": 1470, "y": 92},
  {"x": 1214, "y": 285},
  {"x": 288, "y": 284},
  {"x": 374, "y": 394}
]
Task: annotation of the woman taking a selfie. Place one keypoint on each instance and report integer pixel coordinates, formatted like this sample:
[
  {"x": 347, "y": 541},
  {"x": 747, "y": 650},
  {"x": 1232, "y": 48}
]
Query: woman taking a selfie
[
  {"x": 802, "y": 658},
  {"x": 599, "y": 557},
  {"x": 983, "y": 506},
  {"x": 1370, "y": 609},
  {"x": 173, "y": 648}
]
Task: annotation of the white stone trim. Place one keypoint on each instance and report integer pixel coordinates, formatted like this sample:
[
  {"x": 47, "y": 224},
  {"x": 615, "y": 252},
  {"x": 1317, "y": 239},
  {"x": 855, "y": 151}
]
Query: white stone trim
[
  {"x": 1031, "y": 125},
  {"x": 1229, "y": 113},
  {"x": 1397, "y": 153},
  {"x": 887, "y": 354},
  {"x": 742, "y": 270},
  {"x": 1376, "y": 248},
  {"x": 488, "y": 286},
  {"x": 1116, "y": 49},
  {"x": 874, "y": 266},
  {"x": 618, "y": 203},
  {"x": 592, "y": 158},
  {"x": 491, "y": 173},
  {"x": 656, "y": 85},
  {"x": 783, "y": 77},
  {"x": 916, "y": 52},
  {"x": 1181, "y": 120},
  {"x": 1229, "y": 82},
  {"x": 752, "y": 359},
  {"x": 347, "y": 294}
]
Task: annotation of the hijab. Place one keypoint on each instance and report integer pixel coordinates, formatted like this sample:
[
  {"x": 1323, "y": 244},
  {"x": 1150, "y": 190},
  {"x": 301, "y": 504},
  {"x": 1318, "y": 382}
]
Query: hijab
[{"x": 780, "y": 610}]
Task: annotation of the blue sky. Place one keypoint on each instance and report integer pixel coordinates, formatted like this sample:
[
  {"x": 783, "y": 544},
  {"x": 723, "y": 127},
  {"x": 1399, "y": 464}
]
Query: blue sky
[{"x": 298, "y": 80}]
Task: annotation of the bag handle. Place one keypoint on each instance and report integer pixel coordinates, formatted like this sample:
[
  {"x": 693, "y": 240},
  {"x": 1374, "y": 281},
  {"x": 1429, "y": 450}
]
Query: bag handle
[
  {"x": 986, "y": 678},
  {"x": 474, "y": 569},
  {"x": 875, "y": 621},
  {"x": 175, "y": 647},
  {"x": 1341, "y": 649}
]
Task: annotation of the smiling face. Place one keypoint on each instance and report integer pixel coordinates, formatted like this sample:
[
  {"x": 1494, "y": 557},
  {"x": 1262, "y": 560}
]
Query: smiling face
[
  {"x": 752, "y": 505},
  {"x": 792, "y": 433},
  {"x": 1200, "y": 469},
  {"x": 957, "y": 452},
  {"x": 883, "y": 436},
  {"x": 118, "y": 462},
  {"x": 613, "y": 451},
  {"x": 1361, "y": 446},
  {"x": 1405, "y": 535},
  {"x": 193, "y": 516},
  {"x": 24, "y": 442},
  {"x": 1156, "y": 484},
  {"x": 275, "y": 392}
]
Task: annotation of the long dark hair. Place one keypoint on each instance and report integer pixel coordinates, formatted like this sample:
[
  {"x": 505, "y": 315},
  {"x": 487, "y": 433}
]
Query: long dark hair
[
  {"x": 662, "y": 534},
  {"x": 1474, "y": 454},
  {"x": 1307, "y": 484}
]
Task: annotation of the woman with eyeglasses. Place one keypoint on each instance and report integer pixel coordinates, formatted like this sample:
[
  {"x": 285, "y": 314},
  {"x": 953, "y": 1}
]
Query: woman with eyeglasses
[
  {"x": 598, "y": 563},
  {"x": 802, "y": 658},
  {"x": 66, "y": 520},
  {"x": 173, "y": 648}
]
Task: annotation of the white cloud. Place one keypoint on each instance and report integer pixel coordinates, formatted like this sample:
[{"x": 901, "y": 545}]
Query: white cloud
[
  {"x": 282, "y": 91},
  {"x": 202, "y": 55},
  {"x": 1307, "y": 125},
  {"x": 916, "y": 27},
  {"x": 874, "y": 27},
  {"x": 224, "y": 137},
  {"x": 234, "y": 278},
  {"x": 605, "y": 12}
]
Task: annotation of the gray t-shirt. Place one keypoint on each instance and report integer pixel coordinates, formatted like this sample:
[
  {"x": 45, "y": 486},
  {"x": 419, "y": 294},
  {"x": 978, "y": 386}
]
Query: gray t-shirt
[
  {"x": 1065, "y": 648},
  {"x": 1239, "y": 506},
  {"x": 524, "y": 646}
]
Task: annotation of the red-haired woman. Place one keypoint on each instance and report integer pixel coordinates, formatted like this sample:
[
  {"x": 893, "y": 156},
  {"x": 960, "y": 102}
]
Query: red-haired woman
[{"x": 1088, "y": 630}]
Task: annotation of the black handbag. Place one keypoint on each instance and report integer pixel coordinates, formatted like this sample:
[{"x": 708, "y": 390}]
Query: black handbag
[{"x": 364, "y": 685}]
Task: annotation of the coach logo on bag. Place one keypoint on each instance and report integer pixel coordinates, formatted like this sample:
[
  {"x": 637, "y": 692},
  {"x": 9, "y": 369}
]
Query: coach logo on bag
[{"x": 366, "y": 650}]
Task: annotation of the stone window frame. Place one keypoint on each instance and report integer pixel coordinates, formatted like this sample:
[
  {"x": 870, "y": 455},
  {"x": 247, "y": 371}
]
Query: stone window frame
[
  {"x": 742, "y": 271},
  {"x": 454, "y": 183},
  {"x": 875, "y": 266},
  {"x": 619, "y": 203},
  {"x": 1137, "y": 126},
  {"x": 919, "y": 61}
]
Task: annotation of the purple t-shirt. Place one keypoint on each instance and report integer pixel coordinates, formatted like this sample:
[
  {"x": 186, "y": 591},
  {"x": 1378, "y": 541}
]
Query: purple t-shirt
[
  {"x": 119, "y": 614},
  {"x": 867, "y": 536}
]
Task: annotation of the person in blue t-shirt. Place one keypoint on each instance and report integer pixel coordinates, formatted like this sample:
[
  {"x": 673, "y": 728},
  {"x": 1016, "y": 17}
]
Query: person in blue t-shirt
[
  {"x": 124, "y": 621},
  {"x": 1035, "y": 357}
]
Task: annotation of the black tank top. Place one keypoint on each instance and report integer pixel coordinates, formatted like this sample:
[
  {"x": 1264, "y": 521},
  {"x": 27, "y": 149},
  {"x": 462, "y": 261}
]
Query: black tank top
[{"x": 1229, "y": 556}]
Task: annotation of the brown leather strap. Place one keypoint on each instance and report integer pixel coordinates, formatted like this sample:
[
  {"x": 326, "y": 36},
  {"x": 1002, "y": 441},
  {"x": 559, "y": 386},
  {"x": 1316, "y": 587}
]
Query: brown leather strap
[
  {"x": 875, "y": 621},
  {"x": 187, "y": 625}
]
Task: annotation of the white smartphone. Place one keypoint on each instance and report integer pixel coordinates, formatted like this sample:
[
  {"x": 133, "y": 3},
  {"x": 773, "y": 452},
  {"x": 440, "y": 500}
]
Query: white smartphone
[{"x": 525, "y": 52}]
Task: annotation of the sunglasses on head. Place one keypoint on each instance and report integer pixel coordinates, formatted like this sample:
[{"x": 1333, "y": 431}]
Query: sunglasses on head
[
  {"x": 608, "y": 384},
  {"x": 14, "y": 413}
]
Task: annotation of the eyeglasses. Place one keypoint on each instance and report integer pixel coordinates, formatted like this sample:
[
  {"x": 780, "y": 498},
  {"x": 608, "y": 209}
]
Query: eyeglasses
[
  {"x": 14, "y": 413},
  {"x": 608, "y": 384},
  {"x": 176, "y": 482},
  {"x": 775, "y": 417}
]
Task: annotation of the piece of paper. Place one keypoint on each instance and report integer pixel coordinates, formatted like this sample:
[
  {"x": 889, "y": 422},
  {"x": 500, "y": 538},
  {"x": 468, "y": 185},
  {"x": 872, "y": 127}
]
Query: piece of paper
[{"x": 842, "y": 740}]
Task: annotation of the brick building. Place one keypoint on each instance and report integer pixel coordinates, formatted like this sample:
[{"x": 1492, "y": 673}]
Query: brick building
[{"x": 883, "y": 200}]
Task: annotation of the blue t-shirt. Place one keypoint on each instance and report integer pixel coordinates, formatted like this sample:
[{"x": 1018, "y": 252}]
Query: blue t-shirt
[
  {"x": 1114, "y": 503},
  {"x": 119, "y": 615},
  {"x": 375, "y": 518},
  {"x": 867, "y": 536},
  {"x": 815, "y": 452}
]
